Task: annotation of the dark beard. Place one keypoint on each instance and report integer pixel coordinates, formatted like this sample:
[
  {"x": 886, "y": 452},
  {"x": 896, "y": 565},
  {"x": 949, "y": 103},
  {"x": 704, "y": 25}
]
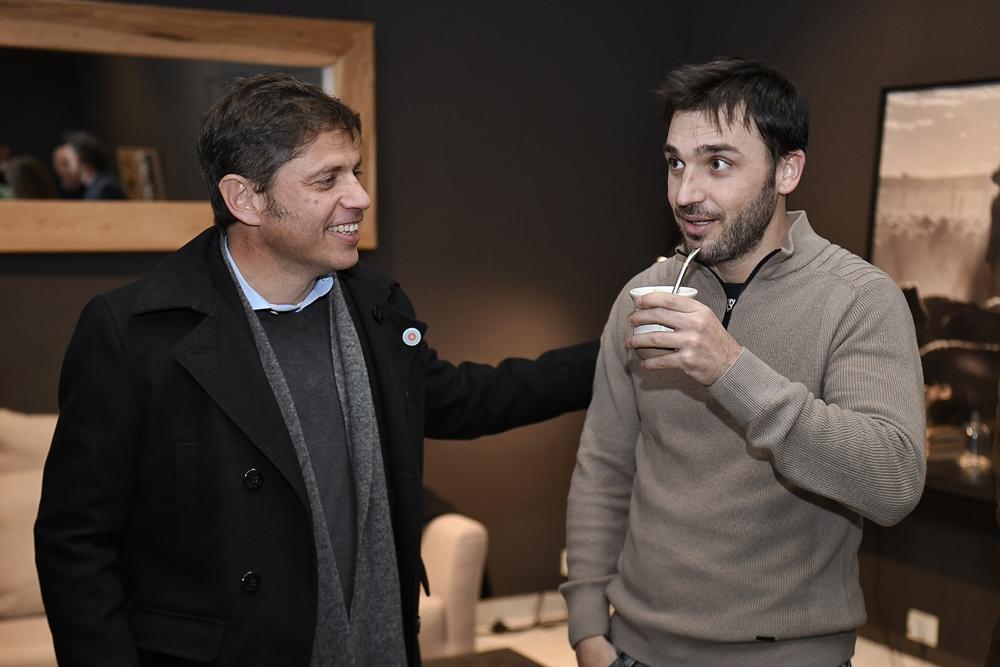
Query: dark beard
[{"x": 739, "y": 237}]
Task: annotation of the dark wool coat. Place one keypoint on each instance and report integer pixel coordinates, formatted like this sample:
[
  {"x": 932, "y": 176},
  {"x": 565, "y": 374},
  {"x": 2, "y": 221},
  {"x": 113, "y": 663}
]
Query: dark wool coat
[{"x": 174, "y": 526}]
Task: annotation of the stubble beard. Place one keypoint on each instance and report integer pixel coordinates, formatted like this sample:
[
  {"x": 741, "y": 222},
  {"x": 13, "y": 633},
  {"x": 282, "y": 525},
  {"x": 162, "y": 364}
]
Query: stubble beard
[
  {"x": 740, "y": 236},
  {"x": 272, "y": 209}
]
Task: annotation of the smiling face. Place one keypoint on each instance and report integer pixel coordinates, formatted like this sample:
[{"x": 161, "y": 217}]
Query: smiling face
[
  {"x": 724, "y": 191},
  {"x": 67, "y": 167},
  {"x": 313, "y": 210}
]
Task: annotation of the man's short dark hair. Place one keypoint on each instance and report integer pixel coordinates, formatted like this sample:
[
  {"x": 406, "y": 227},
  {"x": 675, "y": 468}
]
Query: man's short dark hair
[
  {"x": 87, "y": 148},
  {"x": 261, "y": 123},
  {"x": 726, "y": 88}
]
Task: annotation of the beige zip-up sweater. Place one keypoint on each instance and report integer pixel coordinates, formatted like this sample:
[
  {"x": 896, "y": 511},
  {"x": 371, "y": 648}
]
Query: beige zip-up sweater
[{"x": 722, "y": 523}]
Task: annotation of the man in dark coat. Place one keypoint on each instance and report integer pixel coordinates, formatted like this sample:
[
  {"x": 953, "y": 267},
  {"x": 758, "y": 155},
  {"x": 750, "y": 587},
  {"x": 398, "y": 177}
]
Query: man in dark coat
[
  {"x": 89, "y": 163},
  {"x": 235, "y": 477}
]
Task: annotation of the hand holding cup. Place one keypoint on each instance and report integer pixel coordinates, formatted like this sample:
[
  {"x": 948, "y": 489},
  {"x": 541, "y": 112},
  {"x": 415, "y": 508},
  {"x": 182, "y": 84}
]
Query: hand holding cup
[
  {"x": 635, "y": 293},
  {"x": 677, "y": 332}
]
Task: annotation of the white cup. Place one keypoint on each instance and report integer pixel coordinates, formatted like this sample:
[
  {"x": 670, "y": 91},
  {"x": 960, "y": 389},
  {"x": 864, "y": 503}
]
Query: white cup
[{"x": 635, "y": 293}]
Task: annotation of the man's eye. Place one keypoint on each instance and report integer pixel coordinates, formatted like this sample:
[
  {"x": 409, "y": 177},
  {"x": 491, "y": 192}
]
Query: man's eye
[
  {"x": 674, "y": 164},
  {"x": 357, "y": 173},
  {"x": 718, "y": 164}
]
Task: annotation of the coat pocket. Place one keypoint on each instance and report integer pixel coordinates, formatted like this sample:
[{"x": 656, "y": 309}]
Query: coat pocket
[{"x": 177, "y": 635}]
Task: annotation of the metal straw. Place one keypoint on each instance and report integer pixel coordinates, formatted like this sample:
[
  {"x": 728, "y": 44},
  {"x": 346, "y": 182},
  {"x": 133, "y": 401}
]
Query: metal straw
[{"x": 684, "y": 268}]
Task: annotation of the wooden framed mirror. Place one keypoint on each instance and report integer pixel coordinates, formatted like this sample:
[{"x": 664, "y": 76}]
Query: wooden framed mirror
[{"x": 342, "y": 50}]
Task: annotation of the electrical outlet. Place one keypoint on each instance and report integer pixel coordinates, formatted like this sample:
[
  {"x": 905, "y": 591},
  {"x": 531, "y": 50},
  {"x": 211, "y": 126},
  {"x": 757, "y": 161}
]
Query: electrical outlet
[{"x": 922, "y": 627}]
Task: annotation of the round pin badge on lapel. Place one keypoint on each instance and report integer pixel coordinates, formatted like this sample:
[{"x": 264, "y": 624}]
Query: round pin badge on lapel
[{"x": 411, "y": 337}]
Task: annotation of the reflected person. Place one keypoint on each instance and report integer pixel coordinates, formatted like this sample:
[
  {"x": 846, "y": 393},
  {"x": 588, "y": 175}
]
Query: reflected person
[
  {"x": 29, "y": 178},
  {"x": 235, "y": 477},
  {"x": 88, "y": 165},
  {"x": 719, "y": 490},
  {"x": 67, "y": 169}
]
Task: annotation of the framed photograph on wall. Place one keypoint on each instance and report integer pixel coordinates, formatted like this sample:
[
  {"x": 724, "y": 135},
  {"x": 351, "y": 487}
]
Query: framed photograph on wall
[
  {"x": 936, "y": 231},
  {"x": 141, "y": 172}
]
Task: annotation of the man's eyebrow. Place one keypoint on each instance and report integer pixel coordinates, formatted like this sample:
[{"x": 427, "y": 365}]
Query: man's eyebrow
[
  {"x": 707, "y": 148},
  {"x": 717, "y": 148}
]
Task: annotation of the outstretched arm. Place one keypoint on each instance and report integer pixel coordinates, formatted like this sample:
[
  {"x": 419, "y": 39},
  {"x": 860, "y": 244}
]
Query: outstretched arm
[{"x": 470, "y": 400}]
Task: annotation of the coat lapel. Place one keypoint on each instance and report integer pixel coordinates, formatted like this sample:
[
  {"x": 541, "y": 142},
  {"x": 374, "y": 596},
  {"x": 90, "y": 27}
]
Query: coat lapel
[
  {"x": 221, "y": 356},
  {"x": 220, "y": 353}
]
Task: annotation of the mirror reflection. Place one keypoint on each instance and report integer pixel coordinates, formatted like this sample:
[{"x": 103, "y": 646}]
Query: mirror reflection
[{"x": 89, "y": 126}]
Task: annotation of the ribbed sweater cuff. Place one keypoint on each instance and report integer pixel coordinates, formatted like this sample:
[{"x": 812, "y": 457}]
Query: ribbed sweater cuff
[
  {"x": 748, "y": 387},
  {"x": 588, "y": 612}
]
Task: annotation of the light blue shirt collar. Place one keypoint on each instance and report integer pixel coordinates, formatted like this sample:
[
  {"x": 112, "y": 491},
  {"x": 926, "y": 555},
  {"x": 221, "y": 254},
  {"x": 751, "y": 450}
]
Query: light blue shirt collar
[{"x": 320, "y": 288}]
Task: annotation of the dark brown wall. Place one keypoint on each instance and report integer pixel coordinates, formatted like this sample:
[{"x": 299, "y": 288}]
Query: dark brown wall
[
  {"x": 521, "y": 184},
  {"x": 525, "y": 180}
]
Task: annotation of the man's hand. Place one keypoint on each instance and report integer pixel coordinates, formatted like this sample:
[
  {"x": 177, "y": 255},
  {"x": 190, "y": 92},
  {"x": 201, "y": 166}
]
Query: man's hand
[
  {"x": 703, "y": 348},
  {"x": 595, "y": 651}
]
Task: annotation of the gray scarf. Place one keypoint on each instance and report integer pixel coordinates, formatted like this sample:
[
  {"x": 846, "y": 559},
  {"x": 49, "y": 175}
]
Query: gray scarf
[{"x": 371, "y": 632}]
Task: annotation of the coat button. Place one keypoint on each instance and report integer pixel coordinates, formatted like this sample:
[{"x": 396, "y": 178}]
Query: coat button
[
  {"x": 377, "y": 314},
  {"x": 253, "y": 479},
  {"x": 418, "y": 624},
  {"x": 250, "y": 582}
]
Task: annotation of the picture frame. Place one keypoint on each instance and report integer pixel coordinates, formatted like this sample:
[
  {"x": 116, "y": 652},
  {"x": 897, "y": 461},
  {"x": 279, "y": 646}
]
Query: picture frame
[
  {"x": 141, "y": 172},
  {"x": 935, "y": 229}
]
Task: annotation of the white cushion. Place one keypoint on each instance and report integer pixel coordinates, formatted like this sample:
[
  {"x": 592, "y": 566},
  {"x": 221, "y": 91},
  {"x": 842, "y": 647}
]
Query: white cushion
[
  {"x": 19, "y": 592},
  {"x": 24, "y": 443},
  {"x": 453, "y": 548},
  {"x": 24, "y": 439},
  {"x": 26, "y": 642},
  {"x": 433, "y": 635}
]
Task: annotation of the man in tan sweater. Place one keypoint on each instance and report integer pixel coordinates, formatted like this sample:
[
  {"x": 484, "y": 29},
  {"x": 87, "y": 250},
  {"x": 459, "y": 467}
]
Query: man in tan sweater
[{"x": 719, "y": 491}]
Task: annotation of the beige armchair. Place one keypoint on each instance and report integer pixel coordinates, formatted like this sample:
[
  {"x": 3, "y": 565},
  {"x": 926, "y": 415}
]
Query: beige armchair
[
  {"x": 453, "y": 549},
  {"x": 25, "y": 640}
]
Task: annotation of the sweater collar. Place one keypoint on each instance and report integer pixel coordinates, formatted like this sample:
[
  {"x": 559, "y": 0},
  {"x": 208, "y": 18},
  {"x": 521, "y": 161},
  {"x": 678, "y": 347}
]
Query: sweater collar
[{"x": 800, "y": 247}]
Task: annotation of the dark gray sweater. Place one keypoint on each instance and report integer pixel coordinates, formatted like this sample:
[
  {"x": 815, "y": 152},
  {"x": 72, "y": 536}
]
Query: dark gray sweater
[{"x": 301, "y": 342}]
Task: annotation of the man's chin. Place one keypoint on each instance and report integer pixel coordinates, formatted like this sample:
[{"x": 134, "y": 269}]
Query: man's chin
[
  {"x": 346, "y": 260},
  {"x": 692, "y": 244},
  {"x": 706, "y": 256}
]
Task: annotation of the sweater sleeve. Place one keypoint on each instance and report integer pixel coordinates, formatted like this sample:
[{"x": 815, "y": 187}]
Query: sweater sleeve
[
  {"x": 598, "y": 505},
  {"x": 861, "y": 443}
]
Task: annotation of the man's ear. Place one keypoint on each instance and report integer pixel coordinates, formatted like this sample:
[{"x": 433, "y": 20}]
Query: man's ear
[
  {"x": 789, "y": 172},
  {"x": 241, "y": 199}
]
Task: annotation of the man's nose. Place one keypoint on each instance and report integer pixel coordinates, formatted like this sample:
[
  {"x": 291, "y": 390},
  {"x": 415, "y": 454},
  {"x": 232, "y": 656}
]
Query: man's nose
[
  {"x": 357, "y": 197},
  {"x": 689, "y": 189}
]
